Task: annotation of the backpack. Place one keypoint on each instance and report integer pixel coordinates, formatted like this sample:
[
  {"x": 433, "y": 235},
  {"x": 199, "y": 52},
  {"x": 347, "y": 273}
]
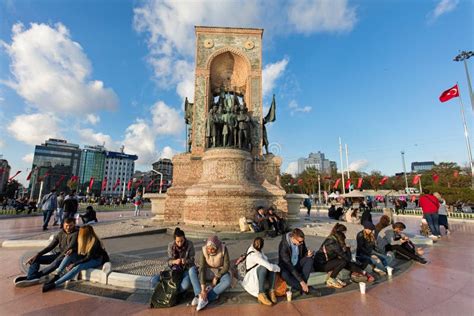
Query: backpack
[
  {"x": 166, "y": 291},
  {"x": 241, "y": 267}
]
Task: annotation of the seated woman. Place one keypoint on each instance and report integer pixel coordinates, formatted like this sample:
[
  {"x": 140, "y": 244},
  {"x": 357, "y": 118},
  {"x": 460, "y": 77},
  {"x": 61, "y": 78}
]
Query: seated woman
[
  {"x": 213, "y": 266},
  {"x": 334, "y": 255},
  {"x": 181, "y": 256},
  {"x": 335, "y": 213},
  {"x": 384, "y": 221},
  {"x": 366, "y": 216},
  {"x": 259, "y": 269},
  {"x": 260, "y": 221},
  {"x": 89, "y": 216},
  {"x": 366, "y": 253},
  {"x": 276, "y": 221},
  {"x": 392, "y": 239},
  {"x": 90, "y": 254}
]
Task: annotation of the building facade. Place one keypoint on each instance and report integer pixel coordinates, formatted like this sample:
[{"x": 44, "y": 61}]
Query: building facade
[
  {"x": 419, "y": 166},
  {"x": 317, "y": 161},
  {"x": 54, "y": 163},
  {"x": 119, "y": 169},
  {"x": 165, "y": 167},
  {"x": 91, "y": 169},
  {"x": 4, "y": 175}
]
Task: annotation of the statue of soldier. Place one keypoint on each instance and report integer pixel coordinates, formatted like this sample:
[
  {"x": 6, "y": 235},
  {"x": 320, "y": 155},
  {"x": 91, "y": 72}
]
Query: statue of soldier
[
  {"x": 211, "y": 130},
  {"x": 188, "y": 118},
  {"x": 244, "y": 122}
]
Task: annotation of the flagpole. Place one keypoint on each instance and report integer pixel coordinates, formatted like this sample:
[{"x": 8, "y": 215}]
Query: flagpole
[
  {"x": 123, "y": 193},
  {"x": 419, "y": 182},
  {"x": 405, "y": 171},
  {"x": 342, "y": 167},
  {"x": 468, "y": 143},
  {"x": 347, "y": 163},
  {"x": 40, "y": 192}
]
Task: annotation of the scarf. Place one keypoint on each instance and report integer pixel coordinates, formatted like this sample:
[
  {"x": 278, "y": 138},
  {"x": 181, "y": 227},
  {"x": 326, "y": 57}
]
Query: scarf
[
  {"x": 179, "y": 252},
  {"x": 214, "y": 242}
]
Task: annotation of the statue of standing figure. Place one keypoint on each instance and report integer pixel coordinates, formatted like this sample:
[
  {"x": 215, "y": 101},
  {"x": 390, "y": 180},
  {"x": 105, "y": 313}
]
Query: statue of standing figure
[
  {"x": 188, "y": 118},
  {"x": 211, "y": 127},
  {"x": 270, "y": 117},
  {"x": 244, "y": 124}
]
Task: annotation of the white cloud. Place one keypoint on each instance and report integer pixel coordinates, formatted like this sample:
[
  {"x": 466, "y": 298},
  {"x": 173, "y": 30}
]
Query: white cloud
[
  {"x": 295, "y": 107},
  {"x": 292, "y": 168},
  {"x": 271, "y": 73},
  {"x": 308, "y": 16},
  {"x": 443, "y": 6},
  {"x": 92, "y": 119},
  {"x": 35, "y": 128},
  {"x": 140, "y": 140},
  {"x": 90, "y": 137},
  {"x": 52, "y": 73},
  {"x": 28, "y": 158},
  {"x": 167, "y": 152},
  {"x": 358, "y": 165},
  {"x": 166, "y": 120}
]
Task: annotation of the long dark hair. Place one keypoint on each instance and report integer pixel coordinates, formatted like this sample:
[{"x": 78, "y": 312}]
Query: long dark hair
[
  {"x": 178, "y": 233},
  {"x": 258, "y": 243},
  {"x": 338, "y": 232},
  {"x": 383, "y": 222}
]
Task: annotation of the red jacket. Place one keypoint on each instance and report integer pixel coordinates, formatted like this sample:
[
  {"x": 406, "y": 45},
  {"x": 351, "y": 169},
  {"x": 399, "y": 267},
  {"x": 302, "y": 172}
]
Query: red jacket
[{"x": 429, "y": 204}]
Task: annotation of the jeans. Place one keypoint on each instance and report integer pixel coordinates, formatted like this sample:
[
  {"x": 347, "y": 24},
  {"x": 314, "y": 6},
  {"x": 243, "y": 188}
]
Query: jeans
[
  {"x": 137, "y": 210},
  {"x": 59, "y": 215},
  {"x": 222, "y": 285},
  {"x": 432, "y": 220},
  {"x": 65, "y": 262},
  {"x": 53, "y": 261},
  {"x": 264, "y": 274},
  {"x": 93, "y": 263},
  {"x": 380, "y": 262},
  {"x": 190, "y": 277},
  {"x": 304, "y": 266},
  {"x": 46, "y": 217}
]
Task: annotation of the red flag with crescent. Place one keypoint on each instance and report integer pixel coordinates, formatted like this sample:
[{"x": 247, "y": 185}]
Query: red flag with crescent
[
  {"x": 359, "y": 183},
  {"x": 416, "y": 179},
  {"x": 29, "y": 175},
  {"x": 104, "y": 184},
  {"x": 117, "y": 183},
  {"x": 292, "y": 181},
  {"x": 456, "y": 173},
  {"x": 140, "y": 181},
  {"x": 12, "y": 177},
  {"x": 384, "y": 180},
  {"x": 300, "y": 181},
  {"x": 91, "y": 183},
  {"x": 129, "y": 184},
  {"x": 336, "y": 184},
  {"x": 435, "y": 178},
  {"x": 58, "y": 183},
  {"x": 348, "y": 183},
  {"x": 149, "y": 185},
  {"x": 449, "y": 94}
]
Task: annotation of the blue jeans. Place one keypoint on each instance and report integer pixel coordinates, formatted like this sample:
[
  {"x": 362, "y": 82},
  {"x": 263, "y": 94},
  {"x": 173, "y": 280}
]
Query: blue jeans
[
  {"x": 222, "y": 285},
  {"x": 432, "y": 220},
  {"x": 190, "y": 277},
  {"x": 46, "y": 217},
  {"x": 53, "y": 261},
  {"x": 59, "y": 215},
  {"x": 93, "y": 263},
  {"x": 264, "y": 274},
  {"x": 380, "y": 263}
]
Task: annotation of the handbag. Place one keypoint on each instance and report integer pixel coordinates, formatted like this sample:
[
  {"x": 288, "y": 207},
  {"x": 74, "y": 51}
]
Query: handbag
[
  {"x": 166, "y": 291},
  {"x": 280, "y": 286}
]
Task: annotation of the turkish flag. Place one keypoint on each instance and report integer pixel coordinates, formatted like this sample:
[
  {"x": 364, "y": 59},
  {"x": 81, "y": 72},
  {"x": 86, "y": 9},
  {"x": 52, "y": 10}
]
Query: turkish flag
[
  {"x": 149, "y": 185},
  {"x": 29, "y": 175},
  {"x": 336, "y": 184},
  {"x": 413, "y": 198},
  {"x": 300, "y": 181},
  {"x": 91, "y": 183},
  {"x": 384, "y": 179},
  {"x": 435, "y": 178},
  {"x": 449, "y": 94},
  {"x": 348, "y": 184},
  {"x": 140, "y": 181},
  {"x": 416, "y": 179},
  {"x": 117, "y": 183},
  {"x": 60, "y": 180},
  {"x": 104, "y": 184},
  {"x": 17, "y": 173},
  {"x": 74, "y": 179},
  {"x": 129, "y": 184},
  {"x": 359, "y": 183},
  {"x": 456, "y": 173}
]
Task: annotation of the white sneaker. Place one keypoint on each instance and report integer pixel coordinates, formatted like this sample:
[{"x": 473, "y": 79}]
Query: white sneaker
[
  {"x": 201, "y": 304},
  {"x": 195, "y": 301},
  {"x": 448, "y": 232},
  {"x": 433, "y": 237},
  {"x": 380, "y": 272}
]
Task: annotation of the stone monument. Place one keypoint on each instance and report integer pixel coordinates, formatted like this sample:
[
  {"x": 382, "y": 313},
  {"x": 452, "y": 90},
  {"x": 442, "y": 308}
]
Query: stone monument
[{"x": 224, "y": 174}]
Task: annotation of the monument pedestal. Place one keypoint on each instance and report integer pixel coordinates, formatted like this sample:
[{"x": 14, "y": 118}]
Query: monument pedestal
[
  {"x": 294, "y": 202},
  {"x": 157, "y": 206}
]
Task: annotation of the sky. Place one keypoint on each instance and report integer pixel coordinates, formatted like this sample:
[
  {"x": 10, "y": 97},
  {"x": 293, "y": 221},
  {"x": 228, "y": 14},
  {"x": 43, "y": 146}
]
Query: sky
[{"x": 116, "y": 73}]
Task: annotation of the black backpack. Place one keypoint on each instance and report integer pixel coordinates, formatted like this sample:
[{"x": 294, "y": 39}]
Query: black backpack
[{"x": 166, "y": 291}]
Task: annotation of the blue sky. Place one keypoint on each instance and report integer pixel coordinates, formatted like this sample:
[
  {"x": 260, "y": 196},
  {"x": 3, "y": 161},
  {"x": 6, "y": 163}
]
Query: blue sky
[{"x": 116, "y": 72}]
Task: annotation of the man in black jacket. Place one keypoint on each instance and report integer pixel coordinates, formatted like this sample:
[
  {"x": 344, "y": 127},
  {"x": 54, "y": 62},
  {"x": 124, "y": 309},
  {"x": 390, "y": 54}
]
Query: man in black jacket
[
  {"x": 295, "y": 260},
  {"x": 66, "y": 243}
]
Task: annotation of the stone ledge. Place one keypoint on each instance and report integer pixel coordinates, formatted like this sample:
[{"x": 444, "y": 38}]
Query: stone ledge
[
  {"x": 26, "y": 243},
  {"x": 129, "y": 281}
]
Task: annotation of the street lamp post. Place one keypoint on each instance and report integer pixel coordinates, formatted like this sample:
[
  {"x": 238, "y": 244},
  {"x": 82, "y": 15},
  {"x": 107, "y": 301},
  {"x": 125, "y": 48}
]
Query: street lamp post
[
  {"x": 463, "y": 56},
  {"x": 405, "y": 172}
]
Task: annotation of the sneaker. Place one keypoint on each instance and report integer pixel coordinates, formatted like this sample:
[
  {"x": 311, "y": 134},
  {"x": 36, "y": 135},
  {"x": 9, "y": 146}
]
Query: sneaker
[
  {"x": 195, "y": 301},
  {"x": 341, "y": 282},
  {"x": 201, "y": 304},
  {"x": 48, "y": 287},
  {"x": 45, "y": 228},
  {"x": 27, "y": 282},
  {"x": 380, "y": 272},
  {"x": 433, "y": 237},
  {"x": 333, "y": 283},
  {"x": 422, "y": 261},
  {"x": 20, "y": 278},
  {"x": 439, "y": 236},
  {"x": 448, "y": 232}
]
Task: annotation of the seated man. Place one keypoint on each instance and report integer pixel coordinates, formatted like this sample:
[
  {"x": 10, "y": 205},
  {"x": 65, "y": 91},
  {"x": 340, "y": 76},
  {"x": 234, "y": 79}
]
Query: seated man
[
  {"x": 392, "y": 239},
  {"x": 278, "y": 223},
  {"x": 260, "y": 222},
  {"x": 295, "y": 260},
  {"x": 66, "y": 243},
  {"x": 89, "y": 216}
]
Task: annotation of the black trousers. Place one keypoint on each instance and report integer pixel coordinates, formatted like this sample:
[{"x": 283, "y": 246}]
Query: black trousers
[
  {"x": 407, "y": 252},
  {"x": 336, "y": 265},
  {"x": 304, "y": 266}
]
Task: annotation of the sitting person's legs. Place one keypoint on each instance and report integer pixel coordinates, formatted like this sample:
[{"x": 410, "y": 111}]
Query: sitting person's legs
[
  {"x": 93, "y": 263},
  {"x": 305, "y": 265},
  {"x": 290, "y": 279},
  {"x": 334, "y": 265},
  {"x": 190, "y": 278},
  {"x": 222, "y": 285},
  {"x": 34, "y": 269}
]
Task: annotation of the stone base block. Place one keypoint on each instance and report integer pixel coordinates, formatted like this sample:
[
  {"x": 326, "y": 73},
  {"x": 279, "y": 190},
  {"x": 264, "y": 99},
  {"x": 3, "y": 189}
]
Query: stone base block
[
  {"x": 93, "y": 275},
  {"x": 129, "y": 281}
]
